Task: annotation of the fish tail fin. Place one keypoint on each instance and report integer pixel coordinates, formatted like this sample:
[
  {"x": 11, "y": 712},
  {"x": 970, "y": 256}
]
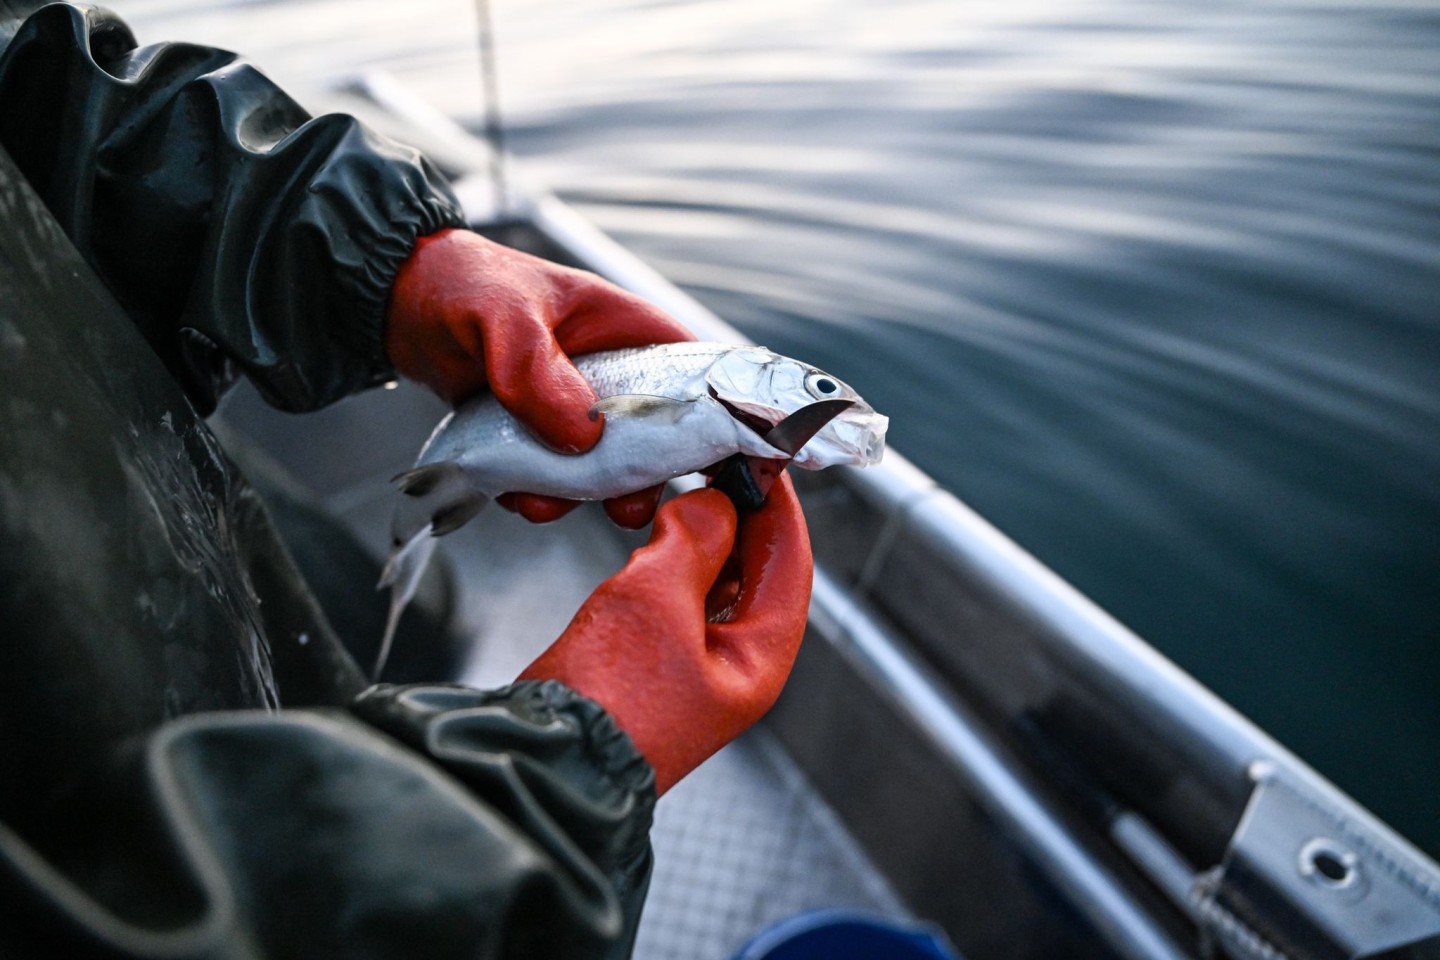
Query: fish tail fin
[
  {"x": 437, "y": 501},
  {"x": 402, "y": 575}
]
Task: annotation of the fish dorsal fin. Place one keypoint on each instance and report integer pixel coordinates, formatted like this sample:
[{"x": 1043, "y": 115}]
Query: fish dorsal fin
[{"x": 641, "y": 405}]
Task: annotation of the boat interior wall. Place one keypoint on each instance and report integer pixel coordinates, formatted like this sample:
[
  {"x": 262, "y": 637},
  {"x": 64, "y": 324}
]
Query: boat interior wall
[
  {"x": 1001, "y": 658},
  {"x": 947, "y": 812}
]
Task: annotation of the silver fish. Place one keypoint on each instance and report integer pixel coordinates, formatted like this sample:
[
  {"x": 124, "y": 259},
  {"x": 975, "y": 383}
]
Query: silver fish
[{"x": 669, "y": 410}]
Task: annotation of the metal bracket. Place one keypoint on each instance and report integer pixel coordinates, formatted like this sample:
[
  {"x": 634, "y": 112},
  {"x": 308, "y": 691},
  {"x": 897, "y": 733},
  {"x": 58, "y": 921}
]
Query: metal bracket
[{"x": 1320, "y": 883}]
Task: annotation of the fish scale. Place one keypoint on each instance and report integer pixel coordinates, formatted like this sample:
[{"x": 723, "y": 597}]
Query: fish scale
[{"x": 647, "y": 369}]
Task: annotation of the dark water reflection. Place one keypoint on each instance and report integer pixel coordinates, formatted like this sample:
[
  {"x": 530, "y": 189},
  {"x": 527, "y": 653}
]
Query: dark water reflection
[{"x": 1154, "y": 287}]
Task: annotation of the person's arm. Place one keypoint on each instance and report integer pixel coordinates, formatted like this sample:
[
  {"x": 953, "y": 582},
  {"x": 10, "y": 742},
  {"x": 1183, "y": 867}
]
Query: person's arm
[
  {"x": 313, "y": 254},
  {"x": 430, "y": 820},
  {"x": 233, "y": 227}
]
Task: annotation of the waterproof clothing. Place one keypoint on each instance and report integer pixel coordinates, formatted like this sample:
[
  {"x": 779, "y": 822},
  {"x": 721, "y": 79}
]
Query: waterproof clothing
[
  {"x": 233, "y": 229},
  {"x": 191, "y": 765}
]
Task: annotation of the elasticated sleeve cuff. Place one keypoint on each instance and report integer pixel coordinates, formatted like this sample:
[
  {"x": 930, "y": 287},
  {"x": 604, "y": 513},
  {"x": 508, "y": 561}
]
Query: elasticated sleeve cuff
[{"x": 551, "y": 760}]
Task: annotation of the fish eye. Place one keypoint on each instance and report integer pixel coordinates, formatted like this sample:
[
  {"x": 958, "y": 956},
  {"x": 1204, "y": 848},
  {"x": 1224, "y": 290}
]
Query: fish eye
[{"x": 821, "y": 385}]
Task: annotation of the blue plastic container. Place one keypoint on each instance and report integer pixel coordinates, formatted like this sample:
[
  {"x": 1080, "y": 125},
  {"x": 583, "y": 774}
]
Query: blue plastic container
[{"x": 847, "y": 935}]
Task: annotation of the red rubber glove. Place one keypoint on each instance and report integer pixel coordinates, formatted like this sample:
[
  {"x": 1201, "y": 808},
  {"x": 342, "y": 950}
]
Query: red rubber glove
[
  {"x": 467, "y": 313},
  {"x": 645, "y": 645}
]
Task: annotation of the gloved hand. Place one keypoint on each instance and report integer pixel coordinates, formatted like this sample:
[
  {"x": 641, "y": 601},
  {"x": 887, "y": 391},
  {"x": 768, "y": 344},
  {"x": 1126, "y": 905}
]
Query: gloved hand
[
  {"x": 689, "y": 644},
  {"x": 466, "y": 313}
]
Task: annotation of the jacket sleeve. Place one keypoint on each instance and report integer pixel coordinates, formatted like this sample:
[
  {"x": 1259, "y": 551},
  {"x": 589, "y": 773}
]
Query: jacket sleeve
[
  {"x": 235, "y": 229},
  {"x": 428, "y": 821}
]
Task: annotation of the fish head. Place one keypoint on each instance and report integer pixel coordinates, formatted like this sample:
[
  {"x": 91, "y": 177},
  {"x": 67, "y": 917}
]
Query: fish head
[{"x": 765, "y": 388}]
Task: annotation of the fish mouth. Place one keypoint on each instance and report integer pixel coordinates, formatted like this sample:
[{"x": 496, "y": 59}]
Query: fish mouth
[{"x": 856, "y": 438}]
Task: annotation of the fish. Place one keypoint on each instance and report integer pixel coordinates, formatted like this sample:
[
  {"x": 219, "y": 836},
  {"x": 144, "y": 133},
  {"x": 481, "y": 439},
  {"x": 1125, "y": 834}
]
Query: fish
[{"x": 669, "y": 410}]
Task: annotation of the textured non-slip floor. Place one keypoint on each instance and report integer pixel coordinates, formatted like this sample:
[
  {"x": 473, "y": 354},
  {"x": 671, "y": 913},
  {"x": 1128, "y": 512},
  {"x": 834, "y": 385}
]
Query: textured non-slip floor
[{"x": 743, "y": 842}]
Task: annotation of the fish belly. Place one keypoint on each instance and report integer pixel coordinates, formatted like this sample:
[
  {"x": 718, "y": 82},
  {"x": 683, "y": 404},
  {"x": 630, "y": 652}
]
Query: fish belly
[{"x": 633, "y": 453}]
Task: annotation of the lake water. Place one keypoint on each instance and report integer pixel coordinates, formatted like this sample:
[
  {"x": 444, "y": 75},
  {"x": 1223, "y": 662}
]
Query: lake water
[{"x": 1155, "y": 287}]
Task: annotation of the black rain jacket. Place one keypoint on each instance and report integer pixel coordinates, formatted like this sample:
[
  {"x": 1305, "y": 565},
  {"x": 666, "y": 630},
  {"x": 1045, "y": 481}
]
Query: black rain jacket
[{"x": 191, "y": 766}]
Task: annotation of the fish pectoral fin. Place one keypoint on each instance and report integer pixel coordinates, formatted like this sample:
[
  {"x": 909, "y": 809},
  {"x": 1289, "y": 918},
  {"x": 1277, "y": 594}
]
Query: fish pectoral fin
[{"x": 641, "y": 405}]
